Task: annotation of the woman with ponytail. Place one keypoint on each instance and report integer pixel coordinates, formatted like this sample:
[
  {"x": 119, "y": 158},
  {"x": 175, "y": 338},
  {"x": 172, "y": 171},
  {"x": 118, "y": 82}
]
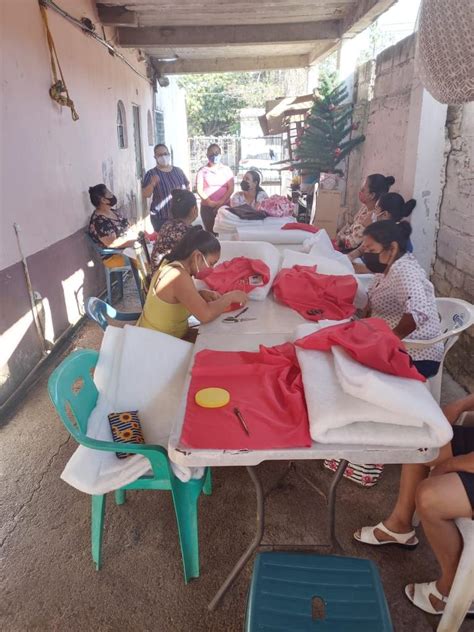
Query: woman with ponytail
[
  {"x": 183, "y": 213},
  {"x": 389, "y": 206},
  {"x": 350, "y": 236},
  {"x": 401, "y": 293},
  {"x": 173, "y": 297}
]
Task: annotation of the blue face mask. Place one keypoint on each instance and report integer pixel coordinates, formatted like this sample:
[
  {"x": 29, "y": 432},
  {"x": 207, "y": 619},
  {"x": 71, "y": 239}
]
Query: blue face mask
[{"x": 215, "y": 159}]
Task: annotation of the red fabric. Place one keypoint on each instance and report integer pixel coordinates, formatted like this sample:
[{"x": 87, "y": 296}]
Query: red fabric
[
  {"x": 266, "y": 387},
  {"x": 236, "y": 275},
  {"x": 303, "y": 289},
  {"x": 369, "y": 341},
  {"x": 300, "y": 226}
]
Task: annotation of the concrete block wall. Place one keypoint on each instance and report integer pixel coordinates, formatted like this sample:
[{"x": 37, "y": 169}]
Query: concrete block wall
[{"x": 453, "y": 272}]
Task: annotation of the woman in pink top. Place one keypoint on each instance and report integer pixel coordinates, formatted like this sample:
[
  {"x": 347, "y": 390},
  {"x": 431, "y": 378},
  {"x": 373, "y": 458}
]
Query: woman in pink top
[{"x": 215, "y": 185}]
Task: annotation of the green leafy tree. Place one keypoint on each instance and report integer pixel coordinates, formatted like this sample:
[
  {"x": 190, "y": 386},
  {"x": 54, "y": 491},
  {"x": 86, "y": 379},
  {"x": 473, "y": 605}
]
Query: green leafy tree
[
  {"x": 214, "y": 101},
  {"x": 326, "y": 137}
]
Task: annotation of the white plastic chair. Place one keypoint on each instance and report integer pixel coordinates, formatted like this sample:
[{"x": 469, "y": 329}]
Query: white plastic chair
[
  {"x": 455, "y": 315},
  {"x": 462, "y": 590}
]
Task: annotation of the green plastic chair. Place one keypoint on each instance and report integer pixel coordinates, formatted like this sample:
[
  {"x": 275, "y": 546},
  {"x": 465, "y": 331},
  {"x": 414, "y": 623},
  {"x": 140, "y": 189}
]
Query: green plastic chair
[{"x": 74, "y": 395}]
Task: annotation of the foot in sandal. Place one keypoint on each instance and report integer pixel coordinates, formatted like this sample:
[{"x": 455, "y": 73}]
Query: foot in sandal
[
  {"x": 380, "y": 535},
  {"x": 428, "y": 598}
]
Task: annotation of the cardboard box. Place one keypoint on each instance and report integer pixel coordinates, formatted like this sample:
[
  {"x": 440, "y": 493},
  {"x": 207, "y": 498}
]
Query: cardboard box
[{"x": 326, "y": 209}]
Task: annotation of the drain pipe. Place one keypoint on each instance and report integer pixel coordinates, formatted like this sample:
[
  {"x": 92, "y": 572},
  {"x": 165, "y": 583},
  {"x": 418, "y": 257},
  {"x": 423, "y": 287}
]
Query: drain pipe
[{"x": 34, "y": 310}]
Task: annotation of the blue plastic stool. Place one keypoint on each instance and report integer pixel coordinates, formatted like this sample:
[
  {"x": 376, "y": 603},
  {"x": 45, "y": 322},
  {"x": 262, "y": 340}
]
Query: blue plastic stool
[{"x": 344, "y": 593}]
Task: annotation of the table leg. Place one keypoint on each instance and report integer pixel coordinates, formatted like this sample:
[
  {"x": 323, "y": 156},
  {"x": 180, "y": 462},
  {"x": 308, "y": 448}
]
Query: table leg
[
  {"x": 260, "y": 521},
  {"x": 332, "y": 505}
]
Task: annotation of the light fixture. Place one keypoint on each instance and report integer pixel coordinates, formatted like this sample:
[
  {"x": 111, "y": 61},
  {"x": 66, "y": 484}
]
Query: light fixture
[{"x": 167, "y": 59}]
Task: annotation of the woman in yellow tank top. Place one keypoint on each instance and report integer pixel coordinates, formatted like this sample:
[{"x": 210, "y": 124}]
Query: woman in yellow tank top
[{"x": 173, "y": 297}]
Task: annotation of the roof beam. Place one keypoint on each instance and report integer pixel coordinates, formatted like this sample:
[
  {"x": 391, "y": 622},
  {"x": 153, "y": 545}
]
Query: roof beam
[
  {"x": 116, "y": 16},
  {"x": 362, "y": 15},
  {"x": 195, "y": 36},
  {"x": 231, "y": 64}
]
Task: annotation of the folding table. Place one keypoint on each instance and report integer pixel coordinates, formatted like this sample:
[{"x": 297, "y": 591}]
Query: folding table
[{"x": 249, "y": 459}]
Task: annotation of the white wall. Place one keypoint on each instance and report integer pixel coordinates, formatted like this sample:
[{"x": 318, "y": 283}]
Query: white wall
[
  {"x": 48, "y": 160},
  {"x": 172, "y": 102}
]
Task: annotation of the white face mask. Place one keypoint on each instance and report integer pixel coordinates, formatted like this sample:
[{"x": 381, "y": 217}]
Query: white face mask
[{"x": 163, "y": 161}]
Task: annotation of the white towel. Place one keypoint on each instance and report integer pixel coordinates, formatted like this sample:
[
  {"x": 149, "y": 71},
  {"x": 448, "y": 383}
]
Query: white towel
[
  {"x": 336, "y": 416},
  {"x": 271, "y": 233},
  {"x": 138, "y": 369},
  {"x": 320, "y": 243}
]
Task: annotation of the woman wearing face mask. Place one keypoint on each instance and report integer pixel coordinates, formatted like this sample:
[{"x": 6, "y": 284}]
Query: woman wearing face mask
[
  {"x": 351, "y": 235},
  {"x": 173, "y": 297},
  {"x": 215, "y": 185},
  {"x": 107, "y": 227},
  {"x": 183, "y": 212},
  {"x": 251, "y": 193},
  {"x": 159, "y": 183},
  {"x": 400, "y": 293},
  {"x": 389, "y": 206}
]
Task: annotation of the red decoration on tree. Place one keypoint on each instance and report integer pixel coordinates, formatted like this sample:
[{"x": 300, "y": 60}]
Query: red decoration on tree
[
  {"x": 337, "y": 151},
  {"x": 355, "y": 126}
]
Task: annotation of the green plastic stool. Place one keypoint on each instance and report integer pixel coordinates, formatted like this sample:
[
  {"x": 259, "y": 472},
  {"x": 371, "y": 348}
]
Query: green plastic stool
[
  {"x": 72, "y": 388},
  {"x": 305, "y": 592}
]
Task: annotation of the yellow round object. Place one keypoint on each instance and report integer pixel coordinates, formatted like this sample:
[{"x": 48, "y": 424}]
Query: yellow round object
[{"x": 212, "y": 397}]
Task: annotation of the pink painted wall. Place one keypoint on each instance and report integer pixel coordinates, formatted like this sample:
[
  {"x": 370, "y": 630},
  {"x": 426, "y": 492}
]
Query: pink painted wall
[{"x": 49, "y": 161}]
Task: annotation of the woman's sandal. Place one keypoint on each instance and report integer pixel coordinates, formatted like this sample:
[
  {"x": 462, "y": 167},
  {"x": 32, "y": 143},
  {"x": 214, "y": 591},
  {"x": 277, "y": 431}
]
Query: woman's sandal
[
  {"x": 367, "y": 536},
  {"x": 421, "y": 598}
]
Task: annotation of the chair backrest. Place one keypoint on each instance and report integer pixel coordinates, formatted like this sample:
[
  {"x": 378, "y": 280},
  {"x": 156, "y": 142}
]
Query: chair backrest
[
  {"x": 455, "y": 315},
  {"x": 73, "y": 392},
  {"x": 98, "y": 310}
]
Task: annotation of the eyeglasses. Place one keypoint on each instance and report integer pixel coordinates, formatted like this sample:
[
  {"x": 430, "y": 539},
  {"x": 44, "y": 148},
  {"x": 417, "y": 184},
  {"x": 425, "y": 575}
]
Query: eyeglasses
[{"x": 159, "y": 155}]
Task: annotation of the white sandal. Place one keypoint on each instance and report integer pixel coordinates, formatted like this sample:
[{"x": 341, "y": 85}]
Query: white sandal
[
  {"x": 421, "y": 596},
  {"x": 367, "y": 536}
]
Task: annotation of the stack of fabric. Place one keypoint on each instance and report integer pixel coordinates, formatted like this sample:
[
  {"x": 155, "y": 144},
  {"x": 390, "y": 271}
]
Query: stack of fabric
[
  {"x": 353, "y": 403},
  {"x": 228, "y": 223}
]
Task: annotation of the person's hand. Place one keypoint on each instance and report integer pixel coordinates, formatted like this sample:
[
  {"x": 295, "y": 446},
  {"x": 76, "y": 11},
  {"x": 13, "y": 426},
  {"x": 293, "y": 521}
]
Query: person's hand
[
  {"x": 237, "y": 296},
  {"x": 440, "y": 469},
  {"x": 209, "y": 295},
  {"x": 154, "y": 180}
]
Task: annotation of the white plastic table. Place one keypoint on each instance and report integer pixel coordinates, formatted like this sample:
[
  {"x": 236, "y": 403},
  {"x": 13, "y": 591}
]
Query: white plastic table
[{"x": 245, "y": 340}]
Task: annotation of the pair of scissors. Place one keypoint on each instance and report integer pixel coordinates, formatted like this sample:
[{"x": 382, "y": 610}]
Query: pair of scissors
[{"x": 236, "y": 318}]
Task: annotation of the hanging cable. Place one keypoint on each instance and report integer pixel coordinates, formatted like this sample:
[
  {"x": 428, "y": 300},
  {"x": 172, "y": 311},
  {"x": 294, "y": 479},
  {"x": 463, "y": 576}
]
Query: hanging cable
[
  {"x": 58, "y": 91},
  {"x": 90, "y": 31}
]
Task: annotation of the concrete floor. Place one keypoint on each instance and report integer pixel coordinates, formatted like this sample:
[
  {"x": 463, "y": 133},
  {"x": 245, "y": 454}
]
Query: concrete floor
[{"x": 48, "y": 579}]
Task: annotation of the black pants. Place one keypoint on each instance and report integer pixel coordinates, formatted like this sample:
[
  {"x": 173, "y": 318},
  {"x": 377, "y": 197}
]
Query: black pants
[{"x": 208, "y": 216}]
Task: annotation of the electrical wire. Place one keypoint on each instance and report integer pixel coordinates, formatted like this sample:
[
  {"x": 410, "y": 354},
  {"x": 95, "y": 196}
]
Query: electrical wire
[{"x": 70, "y": 18}]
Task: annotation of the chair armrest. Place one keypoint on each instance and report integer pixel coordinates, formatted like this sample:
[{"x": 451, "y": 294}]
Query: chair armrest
[
  {"x": 432, "y": 341},
  {"x": 156, "y": 454}
]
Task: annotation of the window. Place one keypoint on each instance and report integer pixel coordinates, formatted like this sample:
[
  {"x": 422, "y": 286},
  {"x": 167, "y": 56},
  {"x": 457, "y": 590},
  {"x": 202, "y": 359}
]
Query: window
[
  {"x": 149, "y": 128},
  {"x": 159, "y": 128},
  {"x": 121, "y": 126}
]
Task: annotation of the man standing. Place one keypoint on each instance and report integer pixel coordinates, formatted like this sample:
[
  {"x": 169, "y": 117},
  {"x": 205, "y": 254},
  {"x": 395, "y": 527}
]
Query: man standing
[
  {"x": 215, "y": 185},
  {"x": 159, "y": 182}
]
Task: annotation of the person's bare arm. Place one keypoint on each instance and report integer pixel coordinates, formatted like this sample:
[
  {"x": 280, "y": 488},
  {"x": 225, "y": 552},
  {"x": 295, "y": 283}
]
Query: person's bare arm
[
  {"x": 200, "y": 189},
  {"x": 185, "y": 293},
  {"x": 461, "y": 463},
  {"x": 110, "y": 241},
  {"x": 148, "y": 190},
  {"x": 455, "y": 409},
  {"x": 405, "y": 327}
]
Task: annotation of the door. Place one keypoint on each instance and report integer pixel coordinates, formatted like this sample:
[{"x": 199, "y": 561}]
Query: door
[{"x": 139, "y": 170}]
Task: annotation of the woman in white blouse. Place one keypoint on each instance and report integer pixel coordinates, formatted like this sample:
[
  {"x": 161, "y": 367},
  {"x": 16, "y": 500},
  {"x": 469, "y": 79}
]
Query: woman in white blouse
[
  {"x": 251, "y": 192},
  {"x": 401, "y": 293}
]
